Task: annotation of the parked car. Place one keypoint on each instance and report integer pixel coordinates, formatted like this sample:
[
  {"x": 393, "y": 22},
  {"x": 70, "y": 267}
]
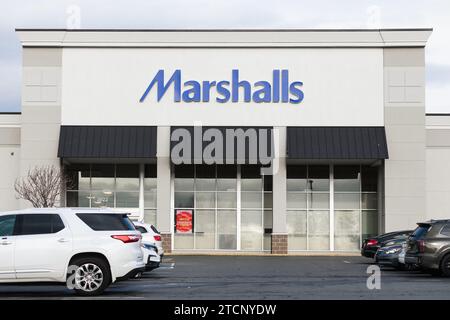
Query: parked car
[
  {"x": 388, "y": 253},
  {"x": 150, "y": 236},
  {"x": 370, "y": 245},
  {"x": 87, "y": 248},
  {"x": 429, "y": 247},
  {"x": 151, "y": 257}
]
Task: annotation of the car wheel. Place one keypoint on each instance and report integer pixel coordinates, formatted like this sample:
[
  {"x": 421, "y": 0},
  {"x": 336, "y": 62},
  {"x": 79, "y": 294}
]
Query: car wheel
[
  {"x": 91, "y": 276},
  {"x": 445, "y": 266}
]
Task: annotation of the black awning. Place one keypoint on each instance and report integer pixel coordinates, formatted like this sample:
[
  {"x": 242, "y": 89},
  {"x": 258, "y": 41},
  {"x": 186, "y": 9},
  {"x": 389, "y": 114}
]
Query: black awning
[
  {"x": 107, "y": 142},
  {"x": 336, "y": 143}
]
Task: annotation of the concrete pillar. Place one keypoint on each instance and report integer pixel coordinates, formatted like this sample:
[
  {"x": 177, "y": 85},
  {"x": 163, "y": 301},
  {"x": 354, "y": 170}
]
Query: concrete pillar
[
  {"x": 163, "y": 192},
  {"x": 279, "y": 231},
  {"x": 404, "y": 106},
  {"x": 41, "y": 109}
]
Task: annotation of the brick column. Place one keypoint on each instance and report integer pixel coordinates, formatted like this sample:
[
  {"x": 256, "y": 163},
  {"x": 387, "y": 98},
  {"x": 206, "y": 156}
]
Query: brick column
[
  {"x": 279, "y": 244},
  {"x": 167, "y": 242}
]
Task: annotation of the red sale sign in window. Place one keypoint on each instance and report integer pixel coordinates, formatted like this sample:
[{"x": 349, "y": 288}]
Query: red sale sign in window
[{"x": 183, "y": 221}]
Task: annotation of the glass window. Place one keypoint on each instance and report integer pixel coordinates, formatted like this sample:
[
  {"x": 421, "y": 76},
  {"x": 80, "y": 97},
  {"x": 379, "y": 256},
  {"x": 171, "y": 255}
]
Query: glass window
[
  {"x": 268, "y": 183},
  {"x": 250, "y": 172},
  {"x": 226, "y": 229},
  {"x": 296, "y": 178},
  {"x": 224, "y": 184},
  {"x": 205, "y": 178},
  {"x": 184, "y": 199},
  {"x": 346, "y": 230},
  {"x": 346, "y": 200},
  {"x": 78, "y": 177},
  {"x": 150, "y": 199},
  {"x": 102, "y": 177},
  {"x": 369, "y": 179},
  {"x": 369, "y": 220},
  {"x": 107, "y": 221},
  {"x": 268, "y": 200},
  {"x": 78, "y": 199},
  {"x": 296, "y": 200},
  {"x": 205, "y": 229},
  {"x": 251, "y": 184},
  {"x": 150, "y": 216},
  {"x": 251, "y": 179},
  {"x": 150, "y": 186},
  {"x": 125, "y": 199},
  {"x": 127, "y": 177},
  {"x": 318, "y": 178},
  {"x": 318, "y": 200},
  {"x": 296, "y": 225},
  {"x": 150, "y": 171},
  {"x": 251, "y": 230},
  {"x": 346, "y": 179},
  {"x": 318, "y": 230},
  {"x": 184, "y": 177},
  {"x": 7, "y": 225},
  {"x": 205, "y": 200},
  {"x": 226, "y": 178},
  {"x": 369, "y": 201},
  {"x": 251, "y": 200},
  {"x": 102, "y": 198},
  {"x": 33, "y": 224},
  {"x": 226, "y": 200}
]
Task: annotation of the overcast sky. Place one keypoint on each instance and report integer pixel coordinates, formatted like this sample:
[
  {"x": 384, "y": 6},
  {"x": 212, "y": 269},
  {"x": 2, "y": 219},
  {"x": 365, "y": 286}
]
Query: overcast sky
[{"x": 229, "y": 14}]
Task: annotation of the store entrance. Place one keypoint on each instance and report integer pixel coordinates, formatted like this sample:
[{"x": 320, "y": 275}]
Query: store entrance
[{"x": 221, "y": 207}]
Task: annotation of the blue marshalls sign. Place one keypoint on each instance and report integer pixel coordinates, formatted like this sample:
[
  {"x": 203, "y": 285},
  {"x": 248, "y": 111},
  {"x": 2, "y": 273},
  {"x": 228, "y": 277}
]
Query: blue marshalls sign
[{"x": 279, "y": 89}]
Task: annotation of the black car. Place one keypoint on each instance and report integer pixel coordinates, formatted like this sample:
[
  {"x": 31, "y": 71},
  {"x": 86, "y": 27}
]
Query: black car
[
  {"x": 370, "y": 245},
  {"x": 387, "y": 254},
  {"x": 429, "y": 247}
]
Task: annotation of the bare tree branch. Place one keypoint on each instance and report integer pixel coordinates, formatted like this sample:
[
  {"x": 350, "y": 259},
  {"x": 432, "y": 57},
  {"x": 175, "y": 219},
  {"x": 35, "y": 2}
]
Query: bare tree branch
[{"x": 42, "y": 186}]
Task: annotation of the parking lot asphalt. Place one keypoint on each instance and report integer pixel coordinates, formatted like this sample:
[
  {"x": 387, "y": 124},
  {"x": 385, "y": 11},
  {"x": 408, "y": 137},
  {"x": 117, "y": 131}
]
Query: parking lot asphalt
[{"x": 256, "y": 277}]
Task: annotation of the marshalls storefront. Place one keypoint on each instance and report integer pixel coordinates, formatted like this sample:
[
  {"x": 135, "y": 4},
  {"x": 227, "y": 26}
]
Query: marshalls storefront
[{"x": 280, "y": 141}]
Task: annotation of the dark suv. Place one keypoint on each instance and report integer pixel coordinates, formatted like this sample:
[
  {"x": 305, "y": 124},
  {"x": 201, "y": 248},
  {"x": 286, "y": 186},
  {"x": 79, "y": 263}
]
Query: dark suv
[{"x": 429, "y": 247}]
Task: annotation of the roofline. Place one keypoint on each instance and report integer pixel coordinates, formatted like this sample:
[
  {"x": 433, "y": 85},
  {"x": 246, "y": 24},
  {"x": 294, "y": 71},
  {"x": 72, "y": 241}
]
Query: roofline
[
  {"x": 222, "y": 30},
  {"x": 437, "y": 114},
  {"x": 224, "y": 38},
  {"x": 10, "y": 112}
]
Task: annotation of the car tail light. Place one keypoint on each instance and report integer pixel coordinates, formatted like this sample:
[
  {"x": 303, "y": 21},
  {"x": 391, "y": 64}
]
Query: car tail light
[
  {"x": 372, "y": 242},
  {"x": 157, "y": 238},
  {"x": 421, "y": 246},
  {"x": 127, "y": 238}
]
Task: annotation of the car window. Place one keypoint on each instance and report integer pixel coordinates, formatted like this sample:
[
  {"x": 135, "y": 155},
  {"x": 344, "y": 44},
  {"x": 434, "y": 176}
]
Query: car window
[
  {"x": 446, "y": 230},
  {"x": 107, "y": 222},
  {"x": 420, "y": 231},
  {"x": 7, "y": 225},
  {"x": 154, "y": 229},
  {"x": 31, "y": 224},
  {"x": 141, "y": 229}
]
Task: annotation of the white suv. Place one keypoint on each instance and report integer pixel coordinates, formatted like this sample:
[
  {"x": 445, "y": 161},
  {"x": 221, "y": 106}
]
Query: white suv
[{"x": 87, "y": 248}]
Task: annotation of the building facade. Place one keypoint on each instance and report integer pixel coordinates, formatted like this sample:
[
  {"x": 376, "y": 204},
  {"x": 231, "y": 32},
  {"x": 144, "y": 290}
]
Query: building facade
[{"x": 280, "y": 141}]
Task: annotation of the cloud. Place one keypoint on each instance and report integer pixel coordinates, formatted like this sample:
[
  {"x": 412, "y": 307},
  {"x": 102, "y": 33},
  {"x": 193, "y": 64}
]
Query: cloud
[{"x": 228, "y": 14}]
